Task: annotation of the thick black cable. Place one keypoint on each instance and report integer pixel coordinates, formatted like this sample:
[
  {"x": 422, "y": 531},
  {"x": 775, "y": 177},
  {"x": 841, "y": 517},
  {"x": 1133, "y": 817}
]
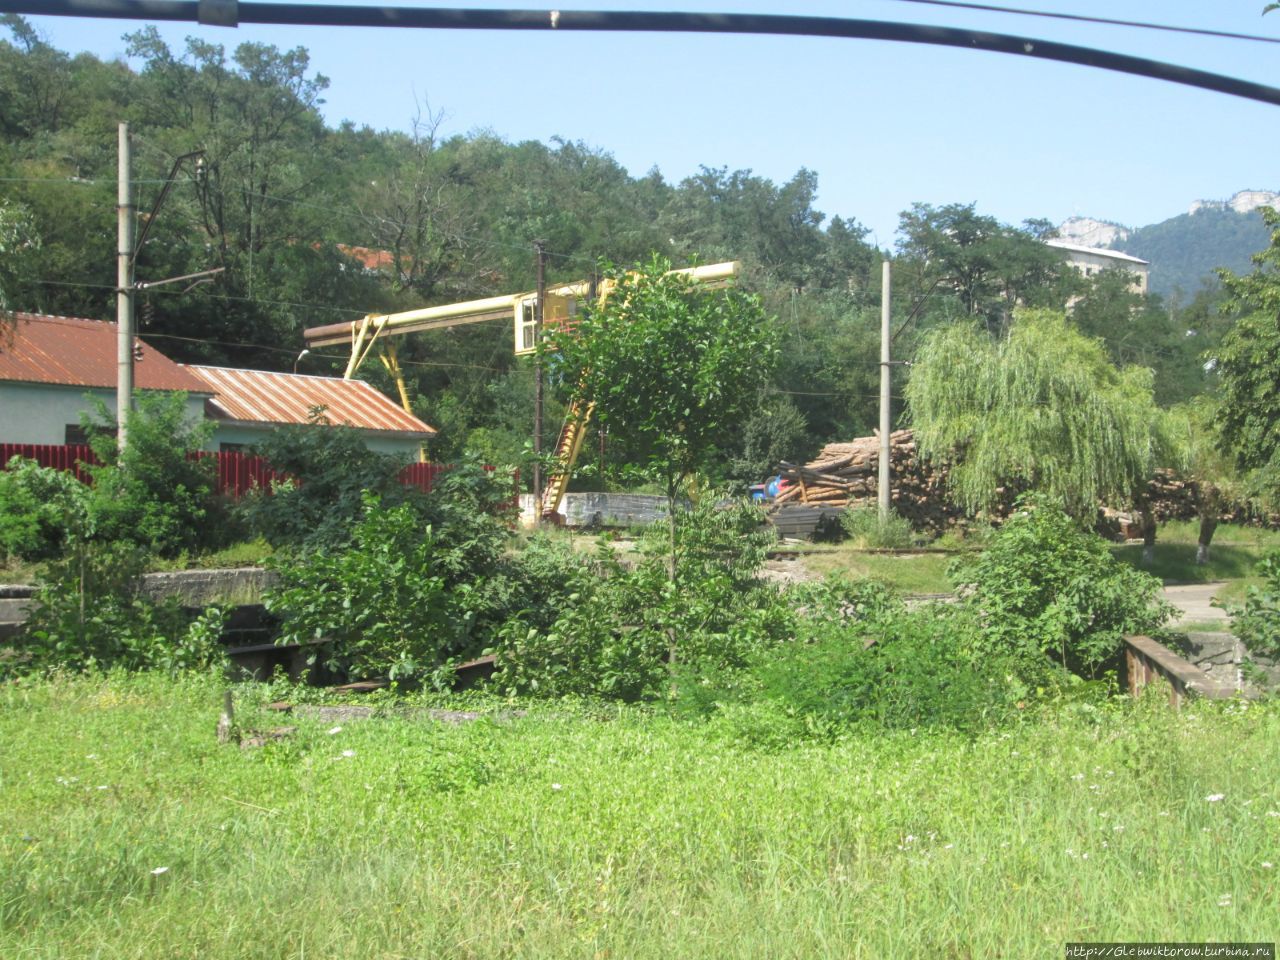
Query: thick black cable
[{"x": 346, "y": 15}]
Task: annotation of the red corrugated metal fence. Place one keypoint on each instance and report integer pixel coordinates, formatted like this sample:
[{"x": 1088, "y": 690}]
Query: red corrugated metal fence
[{"x": 238, "y": 472}]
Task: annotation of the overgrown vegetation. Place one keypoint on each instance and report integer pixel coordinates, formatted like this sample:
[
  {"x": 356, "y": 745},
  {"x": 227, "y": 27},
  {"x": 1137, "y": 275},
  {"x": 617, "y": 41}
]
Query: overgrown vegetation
[
  {"x": 1045, "y": 591},
  {"x": 128, "y": 832}
]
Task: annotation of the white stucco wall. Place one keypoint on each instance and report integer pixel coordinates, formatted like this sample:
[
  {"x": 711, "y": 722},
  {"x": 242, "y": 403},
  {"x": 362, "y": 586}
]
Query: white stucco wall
[
  {"x": 39, "y": 413},
  {"x": 248, "y": 436}
]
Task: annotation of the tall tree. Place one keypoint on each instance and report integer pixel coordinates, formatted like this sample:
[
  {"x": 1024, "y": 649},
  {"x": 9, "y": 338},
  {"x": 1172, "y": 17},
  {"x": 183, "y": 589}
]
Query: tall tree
[
  {"x": 990, "y": 267},
  {"x": 1248, "y": 366},
  {"x": 672, "y": 367},
  {"x": 1044, "y": 405}
]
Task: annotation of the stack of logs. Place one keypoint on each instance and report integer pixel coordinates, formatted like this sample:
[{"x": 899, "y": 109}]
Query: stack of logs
[{"x": 846, "y": 475}]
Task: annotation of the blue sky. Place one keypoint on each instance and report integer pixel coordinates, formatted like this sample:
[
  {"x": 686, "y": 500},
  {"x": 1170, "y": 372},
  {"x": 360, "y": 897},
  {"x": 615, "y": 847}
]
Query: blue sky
[{"x": 882, "y": 124}]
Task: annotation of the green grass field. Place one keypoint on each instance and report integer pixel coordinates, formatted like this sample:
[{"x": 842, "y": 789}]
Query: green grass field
[{"x": 126, "y": 831}]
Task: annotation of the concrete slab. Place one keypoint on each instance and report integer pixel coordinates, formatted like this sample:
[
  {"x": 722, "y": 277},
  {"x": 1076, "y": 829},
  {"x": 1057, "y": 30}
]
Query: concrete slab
[{"x": 1195, "y": 603}]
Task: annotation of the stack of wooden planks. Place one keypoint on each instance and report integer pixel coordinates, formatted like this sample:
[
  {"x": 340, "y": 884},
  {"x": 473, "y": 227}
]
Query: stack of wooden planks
[{"x": 846, "y": 475}]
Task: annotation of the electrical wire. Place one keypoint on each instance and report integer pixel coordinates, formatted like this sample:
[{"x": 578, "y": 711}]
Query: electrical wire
[
  {"x": 1018, "y": 11},
  {"x": 233, "y": 13}
]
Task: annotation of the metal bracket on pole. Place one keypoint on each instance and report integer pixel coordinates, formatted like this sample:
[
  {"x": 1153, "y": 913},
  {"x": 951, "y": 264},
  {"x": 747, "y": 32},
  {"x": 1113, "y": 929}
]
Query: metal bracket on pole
[{"x": 218, "y": 13}]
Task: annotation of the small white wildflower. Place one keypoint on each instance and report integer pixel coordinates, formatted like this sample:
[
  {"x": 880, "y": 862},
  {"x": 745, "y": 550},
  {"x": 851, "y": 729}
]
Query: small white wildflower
[
  {"x": 1224, "y": 900},
  {"x": 332, "y": 730},
  {"x": 1093, "y": 786},
  {"x": 948, "y": 846},
  {"x": 1273, "y": 813},
  {"x": 158, "y": 871},
  {"x": 910, "y": 838},
  {"x": 1077, "y": 776},
  {"x": 556, "y": 786},
  {"x": 1084, "y": 856},
  {"x": 1118, "y": 828},
  {"x": 1103, "y": 814},
  {"x": 348, "y": 753},
  {"x": 91, "y": 756},
  {"x": 1164, "y": 813},
  {"x": 1267, "y": 865},
  {"x": 103, "y": 787},
  {"x": 1214, "y": 797}
]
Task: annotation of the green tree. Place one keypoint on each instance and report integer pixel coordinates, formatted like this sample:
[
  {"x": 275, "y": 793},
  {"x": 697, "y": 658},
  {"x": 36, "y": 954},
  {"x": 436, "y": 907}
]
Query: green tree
[
  {"x": 991, "y": 267},
  {"x": 1217, "y": 482},
  {"x": 1044, "y": 405},
  {"x": 1248, "y": 367},
  {"x": 671, "y": 367}
]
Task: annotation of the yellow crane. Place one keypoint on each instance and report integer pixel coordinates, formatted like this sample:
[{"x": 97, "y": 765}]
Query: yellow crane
[{"x": 559, "y": 306}]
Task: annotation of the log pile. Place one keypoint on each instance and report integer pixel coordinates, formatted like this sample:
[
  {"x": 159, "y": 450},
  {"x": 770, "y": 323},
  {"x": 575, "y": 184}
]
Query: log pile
[{"x": 847, "y": 474}]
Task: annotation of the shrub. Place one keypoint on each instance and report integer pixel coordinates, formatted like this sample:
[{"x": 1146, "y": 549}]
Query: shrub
[
  {"x": 90, "y": 613},
  {"x": 332, "y": 469},
  {"x": 867, "y": 529},
  {"x": 1256, "y": 622},
  {"x": 386, "y": 602},
  {"x": 38, "y": 506},
  {"x": 1046, "y": 590},
  {"x": 150, "y": 494},
  {"x": 626, "y": 636}
]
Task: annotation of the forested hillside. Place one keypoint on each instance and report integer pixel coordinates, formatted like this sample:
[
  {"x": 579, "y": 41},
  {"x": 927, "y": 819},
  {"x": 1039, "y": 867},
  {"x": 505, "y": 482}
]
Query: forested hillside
[
  {"x": 1184, "y": 251},
  {"x": 314, "y": 224}
]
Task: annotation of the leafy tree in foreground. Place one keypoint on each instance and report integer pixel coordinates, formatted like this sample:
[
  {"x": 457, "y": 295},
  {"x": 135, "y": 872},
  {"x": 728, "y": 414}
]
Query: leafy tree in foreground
[
  {"x": 1044, "y": 405},
  {"x": 672, "y": 368}
]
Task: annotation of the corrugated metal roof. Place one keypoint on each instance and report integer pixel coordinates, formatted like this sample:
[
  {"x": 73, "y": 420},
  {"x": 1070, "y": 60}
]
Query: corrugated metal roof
[
  {"x": 260, "y": 396},
  {"x": 73, "y": 351},
  {"x": 1096, "y": 251}
]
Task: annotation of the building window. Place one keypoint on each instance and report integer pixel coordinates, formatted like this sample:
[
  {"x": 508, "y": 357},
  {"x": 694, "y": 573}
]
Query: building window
[
  {"x": 75, "y": 434},
  {"x": 231, "y": 448}
]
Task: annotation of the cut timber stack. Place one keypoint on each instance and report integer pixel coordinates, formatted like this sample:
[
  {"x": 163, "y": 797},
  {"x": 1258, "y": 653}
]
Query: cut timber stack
[{"x": 846, "y": 475}]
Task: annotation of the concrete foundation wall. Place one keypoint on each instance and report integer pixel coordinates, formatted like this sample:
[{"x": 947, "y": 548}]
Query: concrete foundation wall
[{"x": 602, "y": 509}]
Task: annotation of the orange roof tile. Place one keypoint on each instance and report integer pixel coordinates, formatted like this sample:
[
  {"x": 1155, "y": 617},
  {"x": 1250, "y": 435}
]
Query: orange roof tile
[
  {"x": 259, "y": 396},
  {"x": 73, "y": 351}
]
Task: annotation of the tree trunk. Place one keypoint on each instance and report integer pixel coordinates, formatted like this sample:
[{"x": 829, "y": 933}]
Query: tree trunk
[
  {"x": 1208, "y": 507},
  {"x": 1208, "y": 524},
  {"x": 1148, "y": 537}
]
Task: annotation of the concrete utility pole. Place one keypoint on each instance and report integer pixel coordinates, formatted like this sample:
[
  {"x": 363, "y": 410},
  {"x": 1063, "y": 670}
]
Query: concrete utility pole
[
  {"x": 886, "y": 336},
  {"x": 541, "y": 252},
  {"x": 126, "y": 216}
]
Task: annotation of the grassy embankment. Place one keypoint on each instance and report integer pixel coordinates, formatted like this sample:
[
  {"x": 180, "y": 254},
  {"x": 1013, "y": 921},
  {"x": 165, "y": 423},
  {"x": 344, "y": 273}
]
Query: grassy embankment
[{"x": 126, "y": 831}]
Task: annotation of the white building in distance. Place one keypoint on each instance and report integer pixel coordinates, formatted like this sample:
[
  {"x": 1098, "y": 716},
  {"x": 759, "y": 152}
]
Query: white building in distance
[{"x": 1091, "y": 261}]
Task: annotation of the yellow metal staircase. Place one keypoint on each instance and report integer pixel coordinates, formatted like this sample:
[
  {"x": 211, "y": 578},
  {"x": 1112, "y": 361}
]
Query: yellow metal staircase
[{"x": 572, "y": 435}]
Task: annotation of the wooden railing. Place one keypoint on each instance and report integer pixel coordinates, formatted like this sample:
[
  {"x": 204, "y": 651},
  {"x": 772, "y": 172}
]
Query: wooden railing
[{"x": 1147, "y": 661}]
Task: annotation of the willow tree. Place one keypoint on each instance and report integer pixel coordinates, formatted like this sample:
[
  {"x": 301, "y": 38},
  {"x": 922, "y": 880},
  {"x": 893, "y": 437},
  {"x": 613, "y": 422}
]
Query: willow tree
[{"x": 1044, "y": 406}]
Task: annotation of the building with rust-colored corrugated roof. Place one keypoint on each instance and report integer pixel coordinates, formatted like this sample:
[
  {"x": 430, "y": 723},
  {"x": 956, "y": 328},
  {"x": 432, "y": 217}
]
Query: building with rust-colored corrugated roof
[
  {"x": 52, "y": 369},
  {"x": 247, "y": 403}
]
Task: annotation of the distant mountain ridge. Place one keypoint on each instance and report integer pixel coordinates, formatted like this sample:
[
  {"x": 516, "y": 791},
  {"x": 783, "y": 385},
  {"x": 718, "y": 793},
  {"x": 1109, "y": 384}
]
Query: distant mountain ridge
[{"x": 1184, "y": 251}]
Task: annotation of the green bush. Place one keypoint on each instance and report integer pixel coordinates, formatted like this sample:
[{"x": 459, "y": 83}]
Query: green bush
[
  {"x": 331, "y": 470},
  {"x": 1256, "y": 622},
  {"x": 89, "y": 613},
  {"x": 630, "y": 633},
  {"x": 867, "y": 529},
  {"x": 150, "y": 494},
  {"x": 38, "y": 506},
  {"x": 382, "y": 602},
  {"x": 1045, "y": 591}
]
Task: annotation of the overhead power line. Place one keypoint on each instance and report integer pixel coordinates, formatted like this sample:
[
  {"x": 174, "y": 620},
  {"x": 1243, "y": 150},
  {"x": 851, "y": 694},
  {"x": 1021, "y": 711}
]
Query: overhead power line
[
  {"x": 1080, "y": 18},
  {"x": 231, "y": 13}
]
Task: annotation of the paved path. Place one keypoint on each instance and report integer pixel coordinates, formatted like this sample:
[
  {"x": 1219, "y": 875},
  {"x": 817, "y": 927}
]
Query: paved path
[{"x": 1194, "y": 602}]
